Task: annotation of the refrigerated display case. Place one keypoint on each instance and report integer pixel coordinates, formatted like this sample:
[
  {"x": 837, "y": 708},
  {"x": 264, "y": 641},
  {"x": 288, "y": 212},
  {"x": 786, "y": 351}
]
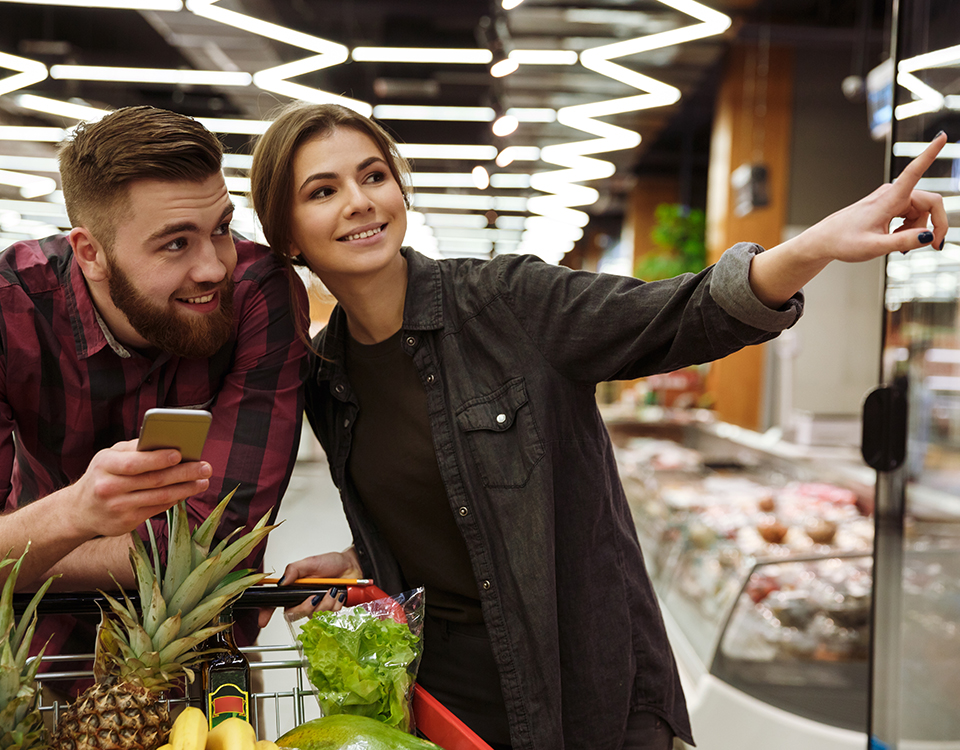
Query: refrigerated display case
[{"x": 761, "y": 555}]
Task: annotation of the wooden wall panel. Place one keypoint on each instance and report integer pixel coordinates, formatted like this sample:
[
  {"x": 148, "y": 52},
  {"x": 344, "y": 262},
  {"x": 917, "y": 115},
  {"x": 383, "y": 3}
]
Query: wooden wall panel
[{"x": 752, "y": 124}]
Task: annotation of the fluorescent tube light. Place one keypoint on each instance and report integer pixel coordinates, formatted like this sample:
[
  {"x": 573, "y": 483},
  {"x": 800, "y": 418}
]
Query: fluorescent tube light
[
  {"x": 29, "y": 133},
  {"x": 544, "y": 56},
  {"x": 448, "y": 151},
  {"x": 428, "y": 113},
  {"x": 31, "y": 186},
  {"x": 421, "y": 55},
  {"x": 171, "y": 5},
  {"x": 505, "y": 125},
  {"x": 60, "y": 108},
  {"x": 28, "y": 72},
  {"x": 481, "y": 178},
  {"x": 172, "y": 76}
]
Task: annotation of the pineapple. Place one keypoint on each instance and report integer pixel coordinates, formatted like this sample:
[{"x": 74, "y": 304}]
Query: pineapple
[
  {"x": 139, "y": 656},
  {"x": 21, "y": 726}
]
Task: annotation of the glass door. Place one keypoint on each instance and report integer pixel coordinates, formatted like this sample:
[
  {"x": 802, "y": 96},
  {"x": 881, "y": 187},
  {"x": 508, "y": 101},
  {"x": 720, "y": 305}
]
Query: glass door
[{"x": 915, "y": 684}]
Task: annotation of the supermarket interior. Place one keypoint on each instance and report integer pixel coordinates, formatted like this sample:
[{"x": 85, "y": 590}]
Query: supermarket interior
[{"x": 803, "y": 539}]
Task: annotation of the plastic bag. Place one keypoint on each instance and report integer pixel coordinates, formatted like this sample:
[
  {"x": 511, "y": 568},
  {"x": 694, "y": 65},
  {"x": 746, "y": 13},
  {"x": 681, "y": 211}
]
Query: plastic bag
[{"x": 363, "y": 660}]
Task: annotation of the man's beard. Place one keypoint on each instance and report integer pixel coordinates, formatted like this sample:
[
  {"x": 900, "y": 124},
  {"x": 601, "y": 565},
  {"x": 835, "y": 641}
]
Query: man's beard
[{"x": 165, "y": 327}]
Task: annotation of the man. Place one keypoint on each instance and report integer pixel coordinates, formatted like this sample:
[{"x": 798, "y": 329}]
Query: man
[{"x": 147, "y": 302}]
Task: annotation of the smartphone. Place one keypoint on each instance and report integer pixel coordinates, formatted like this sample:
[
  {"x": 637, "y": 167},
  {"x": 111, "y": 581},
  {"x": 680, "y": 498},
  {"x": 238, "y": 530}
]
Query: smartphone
[{"x": 182, "y": 429}]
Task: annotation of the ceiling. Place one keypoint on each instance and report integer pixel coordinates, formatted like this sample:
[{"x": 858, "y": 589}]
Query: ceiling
[{"x": 253, "y": 36}]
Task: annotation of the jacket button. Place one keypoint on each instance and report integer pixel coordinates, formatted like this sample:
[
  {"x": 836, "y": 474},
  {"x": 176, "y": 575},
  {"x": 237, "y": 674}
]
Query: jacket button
[
  {"x": 338, "y": 388},
  {"x": 463, "y": 510},
  {"x": 430, "y": 378},
  {"x": 411, "y": 340},
  {"x": 501, "y": 418},
  {"x": 346, "y": 423},
  {"x": 486, "y": 585}
]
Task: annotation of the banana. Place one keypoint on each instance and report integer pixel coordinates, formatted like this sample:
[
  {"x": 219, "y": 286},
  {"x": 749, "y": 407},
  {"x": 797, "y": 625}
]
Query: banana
[
  {"x": 266, "y": 745},
  {"x": 189, "y": 730},
  {"x": 232, "y": 734}
]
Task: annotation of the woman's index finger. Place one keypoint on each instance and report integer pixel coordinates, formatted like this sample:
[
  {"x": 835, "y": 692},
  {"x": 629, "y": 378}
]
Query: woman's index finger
[{"x": 911, "y": 174}]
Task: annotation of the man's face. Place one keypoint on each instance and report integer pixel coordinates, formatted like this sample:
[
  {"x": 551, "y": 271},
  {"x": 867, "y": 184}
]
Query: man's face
[{"x": 169, "y": 273}]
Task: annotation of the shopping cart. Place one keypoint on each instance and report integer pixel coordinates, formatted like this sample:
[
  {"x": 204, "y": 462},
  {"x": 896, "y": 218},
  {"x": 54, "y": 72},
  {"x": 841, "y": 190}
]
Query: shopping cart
[{"x": 272, "y": 711}]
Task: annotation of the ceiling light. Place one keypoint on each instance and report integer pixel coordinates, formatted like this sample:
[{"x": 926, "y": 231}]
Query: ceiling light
[
  {"x": 172, "y": 5},
  {"x": 517, "y": 153},
  {"x": 469, "y": 202},
  {"x": 544, "y": 56},
  {"x": 510, "y": 4},
  {"x": 427, "y": 113},
  {"x": 503, "y": 181},
  {"x": 234, "y": 125},
  {"x": 27, "y": 133},
  {"x": 533, "y": 114},
  {"x": 275, "y": 80},
  {"x": 28, "y": 72},
  {"x": 505, "y": 125},
  {"x": 60, "y": 108},
  {"x": 468, "y": 221},
  {"x": 503, "y": 65},
  {"x": 481, "y": 178},
  {"x": 421, "y": 55},
  {"x": 30, "y": 163},
  {"x": 31, "y": 186},
  {"x": 173, "y": 76},
  {"x": 447, "y": 151}
]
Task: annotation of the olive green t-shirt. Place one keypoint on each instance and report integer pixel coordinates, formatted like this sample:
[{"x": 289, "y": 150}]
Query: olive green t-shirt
[{"x": 394, "y": 468}]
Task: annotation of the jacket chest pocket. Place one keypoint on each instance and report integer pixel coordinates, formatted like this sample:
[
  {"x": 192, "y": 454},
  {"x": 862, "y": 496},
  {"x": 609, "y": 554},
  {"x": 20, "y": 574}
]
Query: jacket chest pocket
[{"x": 502, "y": 435}]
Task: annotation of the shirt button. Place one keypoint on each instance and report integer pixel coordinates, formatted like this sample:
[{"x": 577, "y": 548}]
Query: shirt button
[
  {"x": 501, "y": 418},
  {"x": 411, "y": 340},
  {"x": 430, "y": 378},
  {"x": 346, "y": 423},
  {"x": 463, "y": 510},
  {"x": 486, "y": 585}
]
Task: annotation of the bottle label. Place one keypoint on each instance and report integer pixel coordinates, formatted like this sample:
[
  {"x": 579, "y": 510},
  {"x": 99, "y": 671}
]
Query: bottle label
[{"x": 227, "y": 698}]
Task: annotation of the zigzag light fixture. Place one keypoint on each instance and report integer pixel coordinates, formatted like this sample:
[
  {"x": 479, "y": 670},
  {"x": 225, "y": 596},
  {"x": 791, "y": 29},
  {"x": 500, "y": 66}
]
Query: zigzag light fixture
[
  {"x": 928, "y": 99},
  {"x": 276, "y": 79},
  {"x": 556, "y": 214}
]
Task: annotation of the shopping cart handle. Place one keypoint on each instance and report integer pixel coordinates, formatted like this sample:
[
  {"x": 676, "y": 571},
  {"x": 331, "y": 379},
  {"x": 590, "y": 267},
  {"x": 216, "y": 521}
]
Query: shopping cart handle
[{"x": 92, "y": 602}]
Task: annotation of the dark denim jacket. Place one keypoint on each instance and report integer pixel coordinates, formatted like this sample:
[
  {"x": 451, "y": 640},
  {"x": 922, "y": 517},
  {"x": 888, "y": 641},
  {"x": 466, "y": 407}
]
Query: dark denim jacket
[{"x": 510, "y": 351}]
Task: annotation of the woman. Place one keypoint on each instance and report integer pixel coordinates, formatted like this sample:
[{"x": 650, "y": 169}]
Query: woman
[{"x": 455, "y": 400}]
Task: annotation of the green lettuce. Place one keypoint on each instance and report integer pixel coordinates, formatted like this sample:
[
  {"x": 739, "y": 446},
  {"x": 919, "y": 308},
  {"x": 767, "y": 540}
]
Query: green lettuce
[{"x": 361, "y": 664}]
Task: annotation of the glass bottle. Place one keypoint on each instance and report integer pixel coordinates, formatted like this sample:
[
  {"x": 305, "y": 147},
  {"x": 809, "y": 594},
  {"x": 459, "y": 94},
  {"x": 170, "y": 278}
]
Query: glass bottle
[{"x": 225, "y": 676}]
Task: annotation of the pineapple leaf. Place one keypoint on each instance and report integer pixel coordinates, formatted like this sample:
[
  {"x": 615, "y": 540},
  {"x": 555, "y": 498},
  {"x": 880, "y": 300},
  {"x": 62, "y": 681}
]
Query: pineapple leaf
[
  {"x": 142, "y": 569},
  {"x": 168, "y": 630},
  {"x": 236, "y": 552},
  {"x": 29, "y": 614},
  {"x": 153, "y": 548},
  {"x": 194, "y": 587},
  {"x": 154, "y": 613},
  {"x": 207, "y": 609},
  {"x": 203, "y": 536},
  {"x": 178, "y": 552}
]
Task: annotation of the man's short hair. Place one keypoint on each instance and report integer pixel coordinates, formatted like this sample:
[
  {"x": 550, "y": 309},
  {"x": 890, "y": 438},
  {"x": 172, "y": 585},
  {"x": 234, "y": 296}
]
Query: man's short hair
[{"x": 134, "y": 143}]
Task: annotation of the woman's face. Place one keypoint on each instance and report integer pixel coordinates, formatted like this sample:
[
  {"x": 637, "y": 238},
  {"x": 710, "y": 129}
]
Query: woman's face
[{"x": 348, "y": 216}]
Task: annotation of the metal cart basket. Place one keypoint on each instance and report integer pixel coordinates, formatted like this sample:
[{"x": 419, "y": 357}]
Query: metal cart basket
[{"x": 273, "y": 711}]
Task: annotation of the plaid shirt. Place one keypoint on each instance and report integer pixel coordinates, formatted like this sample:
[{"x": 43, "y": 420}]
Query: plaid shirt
[{"x": 68, "y": 389}]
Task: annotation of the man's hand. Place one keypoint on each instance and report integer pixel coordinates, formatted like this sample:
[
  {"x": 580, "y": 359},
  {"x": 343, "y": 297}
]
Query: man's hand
[{"x": 123, "y": 487}]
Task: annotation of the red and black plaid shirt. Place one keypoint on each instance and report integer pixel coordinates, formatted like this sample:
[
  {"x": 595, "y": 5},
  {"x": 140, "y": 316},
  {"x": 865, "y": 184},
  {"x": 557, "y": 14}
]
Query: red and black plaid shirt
[{"x": 68, "y": 389}]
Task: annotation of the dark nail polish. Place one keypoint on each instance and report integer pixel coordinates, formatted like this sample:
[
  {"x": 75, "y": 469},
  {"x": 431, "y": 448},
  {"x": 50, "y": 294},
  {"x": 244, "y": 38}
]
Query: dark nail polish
[
  {"x": 280, "y": 581},
  {"x": 939, "y": 134},
  {"x": 316, "y": 600},
  {"x": 342, "y": 596},
  {"x": 332, "y": 592},
  {"x": 925, "y": 238},
  {"x": 942, "y": 243}
]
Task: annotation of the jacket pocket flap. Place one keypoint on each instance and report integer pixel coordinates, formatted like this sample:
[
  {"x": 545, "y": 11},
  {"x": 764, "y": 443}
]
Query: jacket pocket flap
[{"x": 495, "y": 411}]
